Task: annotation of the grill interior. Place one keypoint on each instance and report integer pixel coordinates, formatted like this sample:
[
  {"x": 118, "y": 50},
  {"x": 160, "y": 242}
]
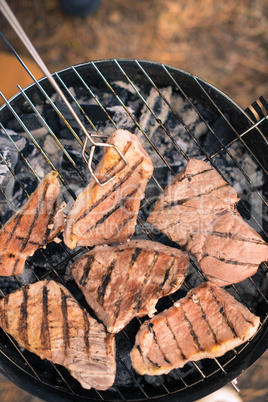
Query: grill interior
[{"x": 176, "y": 116}]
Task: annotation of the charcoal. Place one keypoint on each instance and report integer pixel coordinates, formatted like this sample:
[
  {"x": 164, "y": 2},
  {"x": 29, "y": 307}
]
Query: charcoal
[
  {"x": 8, "y": 284},
  {"x": 52, "y": 118},
  {"x": 94, "y": 113},
  {"x": 68, "y": 115},
  {"x": 65, "y": 134},
  {"x": 11, "y": 156},
  {"x": 30, "y": 120}
]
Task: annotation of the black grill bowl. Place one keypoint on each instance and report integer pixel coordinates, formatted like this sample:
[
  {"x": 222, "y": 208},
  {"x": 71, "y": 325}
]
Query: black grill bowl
[{"x": 128, "y": 84}]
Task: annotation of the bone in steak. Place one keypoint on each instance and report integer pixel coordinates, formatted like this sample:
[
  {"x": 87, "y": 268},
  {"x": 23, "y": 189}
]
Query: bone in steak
[
  {"x": 45, "y": 319},
  {"x": 107, "y": 214},
  {"x": 35, "y": 224},
  {"x": 206, "y": 323},
  {"x": 121, "y": 282},
  {"x": 197, "y": 210}
]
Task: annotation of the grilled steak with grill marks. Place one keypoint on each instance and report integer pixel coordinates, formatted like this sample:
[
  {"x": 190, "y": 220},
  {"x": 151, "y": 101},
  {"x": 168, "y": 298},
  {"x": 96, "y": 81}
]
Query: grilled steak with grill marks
[
  {"x": 107, "y": 214},
  {"x": 206, "y": 323},
  {"x": 34, "y": 225},
  {"x": 191, "y": 201},
  {"x": 230, "y": 251},
  {"x": 197, "y": 210},
  {"x": 125, "y": 281},
  {"x": 45, "y": 319}
]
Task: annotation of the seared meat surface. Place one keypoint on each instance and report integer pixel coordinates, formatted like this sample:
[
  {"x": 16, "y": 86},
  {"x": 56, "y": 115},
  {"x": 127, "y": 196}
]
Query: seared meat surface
[
  {"x": 206, "y": 323},
  {"x": 125, "y": 281},
  {"x": 34, "y": 225},
  {"x": 191, "y": 201},
  {"x": 45, "y": 319},
  {"x": 230, "y": 251},
  {"x": 107, "y": 214},
  {"x": 197, "y": 210}
]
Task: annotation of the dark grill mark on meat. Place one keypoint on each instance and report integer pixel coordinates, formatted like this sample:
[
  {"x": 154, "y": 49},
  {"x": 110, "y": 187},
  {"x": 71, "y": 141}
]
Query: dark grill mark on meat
[
  {"x": 3, "y": 312},
  {"x": 34, "y": 243},
  {"x": 107, "y": 341},
  {"x": 170, "y": 225},
  {"x": 6, "y": 302},
  {"x": 123, "y": 224},
  {"x": 233, "y": 262},
  {"x": 26, "y": 239},
  {"x": 192, "y": 332},
  {"x": 17, "y": 220},
  {"x": 236, "y": 238},
  {"x": 65, "y": 325},
  {"x": 175, "y": 339},
  {"x": 114, "y": 188},
  {"x": 250, "y": 322},
  {"x": 206, "y": 319},
  {"x": 134, "y": 258},
  {"x": 50, "y": 219},
  {"x": 151, "y": 329},
  {"x": 119, "y": 205},
  {"x": 166, "y": 277},
  {"x": 135, "y": 255},
  {"x": 90, "y": 259},
  {"x": 23, "y": 325},
  {"x": 105, "y": 282},
  {"x": 152, "y": 362},
  {"x": 169, "y": 205},
  {"x": 111, "y": 172},
  {"x": 86, "y": 334},
  {"x": 138, "y": 300},
  {"x": 24, "y": 244},
  {"x": 222, "y": 311},
  {"x": 190, "y": 176},
  {"x": 45, "y": 336}
]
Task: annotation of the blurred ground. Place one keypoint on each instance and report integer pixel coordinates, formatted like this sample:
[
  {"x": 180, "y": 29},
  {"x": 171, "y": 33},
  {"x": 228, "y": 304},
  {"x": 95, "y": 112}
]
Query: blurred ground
[{"x": 222, "y": 42}]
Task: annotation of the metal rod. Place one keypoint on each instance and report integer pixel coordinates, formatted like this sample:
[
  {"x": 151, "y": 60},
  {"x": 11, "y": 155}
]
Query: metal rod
[{"x": 11, "y": 18}]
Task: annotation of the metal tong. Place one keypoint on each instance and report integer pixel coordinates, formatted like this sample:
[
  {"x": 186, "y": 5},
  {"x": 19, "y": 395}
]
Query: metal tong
[{"x": 9, "y": 15}]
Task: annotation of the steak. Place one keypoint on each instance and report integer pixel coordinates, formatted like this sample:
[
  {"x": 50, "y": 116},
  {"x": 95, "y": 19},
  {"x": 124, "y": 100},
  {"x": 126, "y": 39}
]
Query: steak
[
  {"x": 34, "y": 225},
  {"x": 191, "y": 201},
  {"x": 126, "y": 281},
  {"x": 230, "y": 251},
  {"x": 107, "y": 214},
  {"x": 197, "y": 210},
  {"x": 45, "y": 319},
  {"x": 206, "y": 323}
]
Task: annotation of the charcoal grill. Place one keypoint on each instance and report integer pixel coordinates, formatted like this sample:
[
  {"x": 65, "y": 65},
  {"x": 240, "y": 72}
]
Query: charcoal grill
[{"x": 176, "y": 115}]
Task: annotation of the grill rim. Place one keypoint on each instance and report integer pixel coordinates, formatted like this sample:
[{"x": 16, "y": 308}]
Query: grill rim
[{"x": 247, "y": 120}]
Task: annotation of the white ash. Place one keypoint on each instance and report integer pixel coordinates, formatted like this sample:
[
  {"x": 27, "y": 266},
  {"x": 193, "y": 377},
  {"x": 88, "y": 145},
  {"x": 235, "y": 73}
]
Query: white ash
[
  {"x": 184, "y": 125},
  {"x": 181, "y": 121}
]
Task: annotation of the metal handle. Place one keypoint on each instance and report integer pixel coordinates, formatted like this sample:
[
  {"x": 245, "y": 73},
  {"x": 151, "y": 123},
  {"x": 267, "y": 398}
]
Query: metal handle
[{"x": 11, "y": 18}]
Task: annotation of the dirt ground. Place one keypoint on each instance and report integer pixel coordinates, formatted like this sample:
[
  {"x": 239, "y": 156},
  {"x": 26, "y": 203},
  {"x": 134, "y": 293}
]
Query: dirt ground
[{"x": 225, "y": 42}]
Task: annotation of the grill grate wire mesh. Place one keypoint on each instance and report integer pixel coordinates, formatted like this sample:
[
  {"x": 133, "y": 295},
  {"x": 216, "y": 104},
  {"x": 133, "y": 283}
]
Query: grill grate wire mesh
[{"x": 198, "y": 372}]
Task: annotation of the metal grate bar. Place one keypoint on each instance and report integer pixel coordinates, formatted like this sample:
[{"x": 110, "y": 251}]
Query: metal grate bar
[
  {"x": 224, "y": 147},
  {"x": 46, "y": 126},
  {"x": 227, "y": 151},
  {"x": 238, "y": 135},
  {"x": 131, "y": 116},
  {"x": 146, "y": 228},
  {"x": 95, "y": 98},
  {"x": 185, "y": 126},
  {"x": 150, "y": 109}
]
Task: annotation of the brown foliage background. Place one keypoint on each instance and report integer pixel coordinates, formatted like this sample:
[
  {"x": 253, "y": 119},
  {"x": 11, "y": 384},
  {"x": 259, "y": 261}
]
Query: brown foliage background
[{"x": 224, "y": 42}]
